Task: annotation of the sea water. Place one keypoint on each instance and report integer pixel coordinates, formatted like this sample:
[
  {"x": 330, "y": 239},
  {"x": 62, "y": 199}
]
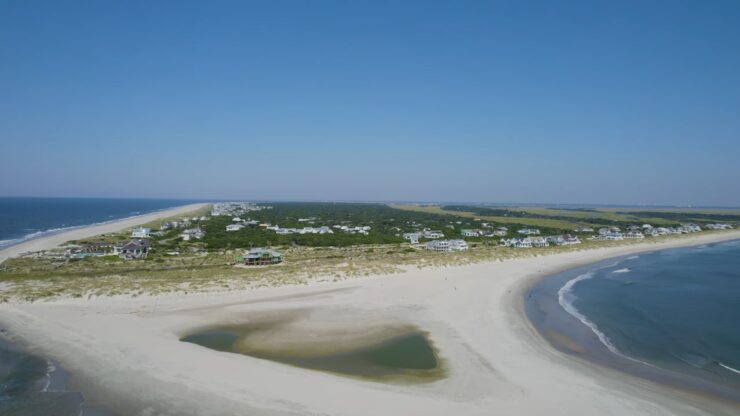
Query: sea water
[
  {"x": 676, "y": 311},
  {"x": 25, "y": 218}
]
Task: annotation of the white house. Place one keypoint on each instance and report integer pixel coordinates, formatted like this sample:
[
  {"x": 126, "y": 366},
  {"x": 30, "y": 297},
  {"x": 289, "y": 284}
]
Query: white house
[
  {"x": 141, "y": 232},
  {"x": 634, "y": 235},
  {"x": 432, "y": 234},
  {"x": 234, "y": 227},
  {"x": 529, "y": 231},
  {"x": 446, "y": 245},
  {"x": 196, "y": 233},
  {"x": 718, "y": 226},
  {"x": 471, "y": 233}
]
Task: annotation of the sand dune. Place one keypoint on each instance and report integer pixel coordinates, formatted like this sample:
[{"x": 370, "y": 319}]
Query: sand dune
[{"x": 126, "y": 351}]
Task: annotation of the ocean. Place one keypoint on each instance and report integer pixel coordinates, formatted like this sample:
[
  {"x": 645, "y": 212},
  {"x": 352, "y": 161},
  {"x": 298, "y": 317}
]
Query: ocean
[
  {"x": 25, "y": 218},
  {"x": 31, "y": 384},
  {"x": 671, "y": 316}
]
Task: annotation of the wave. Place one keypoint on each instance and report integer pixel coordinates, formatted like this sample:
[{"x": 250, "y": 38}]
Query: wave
[
  {"x": 727, "y": 367},
  {"x": 566, "y": 299},
  {"x": 625, "y": 270}
]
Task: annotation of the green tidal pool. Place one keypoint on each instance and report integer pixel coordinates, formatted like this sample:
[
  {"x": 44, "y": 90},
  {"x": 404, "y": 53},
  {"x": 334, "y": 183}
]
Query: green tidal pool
[{"x": 406, "y": 357}]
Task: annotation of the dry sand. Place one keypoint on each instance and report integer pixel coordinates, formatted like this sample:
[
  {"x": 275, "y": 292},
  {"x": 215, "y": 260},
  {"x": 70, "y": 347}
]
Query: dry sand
[
  {"x": 125, "y": 351},
  {"x": 55, "y": 240}
]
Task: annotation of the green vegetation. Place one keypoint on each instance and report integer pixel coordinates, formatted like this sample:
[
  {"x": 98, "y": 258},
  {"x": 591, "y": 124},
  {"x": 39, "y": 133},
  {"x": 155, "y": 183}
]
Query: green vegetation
[{"x": 209, "y": 263}]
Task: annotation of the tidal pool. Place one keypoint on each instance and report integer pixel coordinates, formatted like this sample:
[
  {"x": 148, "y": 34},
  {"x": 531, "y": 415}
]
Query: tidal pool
[{"x": 406, "y": 357}]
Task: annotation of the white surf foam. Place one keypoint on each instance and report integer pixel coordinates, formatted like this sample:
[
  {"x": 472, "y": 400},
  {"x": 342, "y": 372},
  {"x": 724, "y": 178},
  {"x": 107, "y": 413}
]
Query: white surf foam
[
  {"x": 566, "y": 298},
  {"x": 727, "y": 367},
  {"x": 625, "y": 270}
]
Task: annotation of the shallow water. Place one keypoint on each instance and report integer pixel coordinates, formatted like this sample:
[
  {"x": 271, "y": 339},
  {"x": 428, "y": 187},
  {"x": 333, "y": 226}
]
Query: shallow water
[
  {"x": 670, "y": 315},
  {"x": 408, "y": 357}
]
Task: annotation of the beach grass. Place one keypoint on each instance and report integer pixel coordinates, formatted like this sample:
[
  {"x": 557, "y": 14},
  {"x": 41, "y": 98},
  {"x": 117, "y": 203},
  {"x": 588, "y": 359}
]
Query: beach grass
[{"x": 32, "y": 279}]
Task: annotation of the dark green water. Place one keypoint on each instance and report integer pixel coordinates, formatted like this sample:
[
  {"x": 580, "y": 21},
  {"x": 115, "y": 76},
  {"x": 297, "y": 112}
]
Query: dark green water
[{"x": 409, "y": 357}]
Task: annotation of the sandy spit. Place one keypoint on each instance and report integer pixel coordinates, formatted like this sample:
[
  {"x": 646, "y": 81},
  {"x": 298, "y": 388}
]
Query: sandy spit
[
  {"x": 125, "y": 351},
  {"x": 56, "y": 240}
]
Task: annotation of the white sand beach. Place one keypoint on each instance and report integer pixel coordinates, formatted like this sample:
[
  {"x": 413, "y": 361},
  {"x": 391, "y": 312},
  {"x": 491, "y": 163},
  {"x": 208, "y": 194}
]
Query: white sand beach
[
  {"x": 126, "y": 352},
  {"x": 57, "y": 239}
]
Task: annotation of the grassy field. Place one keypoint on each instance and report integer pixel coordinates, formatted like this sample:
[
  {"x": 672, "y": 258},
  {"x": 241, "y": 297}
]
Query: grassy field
[{"x": 532, "y": 222}]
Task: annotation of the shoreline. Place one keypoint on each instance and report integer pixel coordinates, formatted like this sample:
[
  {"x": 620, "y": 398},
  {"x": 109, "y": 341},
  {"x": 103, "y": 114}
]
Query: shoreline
[
  {"x": 577, "y": 336},
  {"x": 54, "y": 238},
  {"x": 475, "y": 316}
]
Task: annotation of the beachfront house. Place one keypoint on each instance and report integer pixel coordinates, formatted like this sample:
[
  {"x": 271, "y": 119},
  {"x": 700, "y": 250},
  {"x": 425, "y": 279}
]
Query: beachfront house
[
  {"x": 471, "y": 233},
  {"x": 634, "y": 235},
  {"x": 718, "y": 226},
  {"x": 134, "y": 249},
  {"x": 526, "y": 242},
  {"x": 262, "y": 257},
  {"x": 141, "y": 232},
  {"x": 234, "y": 227},
  {"x": 446, "y": 245}
]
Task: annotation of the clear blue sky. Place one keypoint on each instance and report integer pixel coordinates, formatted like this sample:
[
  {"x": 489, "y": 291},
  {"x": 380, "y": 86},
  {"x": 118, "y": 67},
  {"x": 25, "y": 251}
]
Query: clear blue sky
[{"x": 628, "y": 102}]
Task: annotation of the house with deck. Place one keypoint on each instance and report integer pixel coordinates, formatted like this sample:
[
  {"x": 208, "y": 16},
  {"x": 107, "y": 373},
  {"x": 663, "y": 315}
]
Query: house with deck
[
  {"x": 262, "y": 257},
  {"x": 134, "y": 249}
]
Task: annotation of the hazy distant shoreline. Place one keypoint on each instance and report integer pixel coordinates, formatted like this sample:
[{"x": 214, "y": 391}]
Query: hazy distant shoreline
[{"x": 55, "y": 238}]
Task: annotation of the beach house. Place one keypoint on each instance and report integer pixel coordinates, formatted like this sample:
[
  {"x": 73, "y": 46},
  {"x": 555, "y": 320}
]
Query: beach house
[
  {"x": 141, "y": 232},
  {"x": 134, "y": 249},
  {"x": 234, "y": 227},
  {"x": 529, "y": 231},
  {"x": 262, "y": 257},
  {"x": 446, "y": 245},
  {"x": 193, "y": 233}
]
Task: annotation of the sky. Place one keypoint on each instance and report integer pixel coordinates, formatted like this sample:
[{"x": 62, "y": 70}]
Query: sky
[{"x": 603, "y": 102}]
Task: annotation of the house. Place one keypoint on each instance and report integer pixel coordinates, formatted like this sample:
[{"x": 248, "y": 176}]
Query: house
[
  {"x": 516, "y": 242},
  {"x": 529, "y": 231},
  {"x": 584, "y": 230},
  {"x": 609, "y": 230},
  {"x": 718, "y": 226},
  {"x": 446, "y": 245},
  {"x": 569, "y": 240},
  {"x": 501, "y": 232},
  {"x": 196, "y": 233},
  {"x": 538, "y": 242},
  {"x": 262, "y": 257},
  {"x": 634, "y": 235},
  {"x": 134, "y": 249},
  {"x": 412, "y": 238},
  {"x": 432, "y": 234},
  {"x": 526, "y": 242},
  {"x": 471, "y": 233},
  {"x": 234, "y": 227},
  {"x": 609, "y": 236},
  {"x": 100, "y": 247},
  {"x": 141, "y": 232},
  {"x": 458, "y": 245}
]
